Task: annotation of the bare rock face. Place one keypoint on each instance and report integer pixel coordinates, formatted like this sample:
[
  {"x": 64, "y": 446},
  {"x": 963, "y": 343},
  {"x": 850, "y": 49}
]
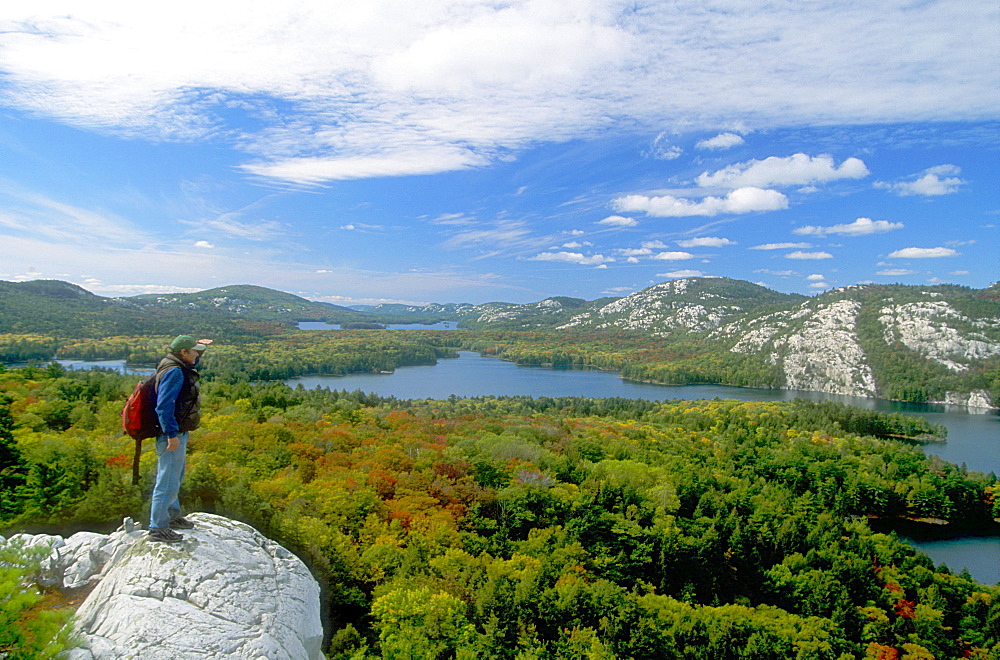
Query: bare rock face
[
  {"x": 225, "y": 591},
  {"x": 816, "y": 347}
]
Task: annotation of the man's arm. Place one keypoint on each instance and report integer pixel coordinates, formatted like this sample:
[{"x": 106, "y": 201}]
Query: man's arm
[{"x": 167, "y": 391}]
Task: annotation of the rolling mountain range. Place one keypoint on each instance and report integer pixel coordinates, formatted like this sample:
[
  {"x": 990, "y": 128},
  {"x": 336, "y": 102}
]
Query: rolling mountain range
[{"x": 862, "y": 340}]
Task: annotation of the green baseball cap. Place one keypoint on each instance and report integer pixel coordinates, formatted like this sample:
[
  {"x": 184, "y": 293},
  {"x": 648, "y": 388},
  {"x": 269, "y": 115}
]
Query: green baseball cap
[{"x": 186, "y": 341}]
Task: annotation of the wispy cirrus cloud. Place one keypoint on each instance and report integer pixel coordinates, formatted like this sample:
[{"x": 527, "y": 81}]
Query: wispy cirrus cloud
[
  {"x": 860, "y": 227},
  {"x": 41, "y": 217},
  {"x": 319, "y": 92},
  {"x": 503, "y": 235},
  {"x": 264, "y": 230}
]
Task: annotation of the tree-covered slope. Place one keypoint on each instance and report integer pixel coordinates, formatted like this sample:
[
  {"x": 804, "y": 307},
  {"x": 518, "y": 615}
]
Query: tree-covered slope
[
  {"x": 939, "y": 343},
  {"x": 507, "y": 528},
  {"x": 248, "y": 301},
  {"x": 62, "y": 310}
]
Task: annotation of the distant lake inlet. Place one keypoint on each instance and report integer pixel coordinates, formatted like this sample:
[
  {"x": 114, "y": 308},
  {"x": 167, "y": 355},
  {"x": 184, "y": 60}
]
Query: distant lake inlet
[{"x": 973, "y": 438}]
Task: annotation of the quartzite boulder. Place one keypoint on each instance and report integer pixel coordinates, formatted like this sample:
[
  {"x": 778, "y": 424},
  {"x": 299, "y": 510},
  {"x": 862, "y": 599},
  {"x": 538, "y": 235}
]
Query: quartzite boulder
[{"x": 225, "y": 591}]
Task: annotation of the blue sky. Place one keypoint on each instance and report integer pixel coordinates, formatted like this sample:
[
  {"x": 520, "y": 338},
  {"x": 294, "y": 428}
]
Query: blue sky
[{"x": 467, "y": 151}]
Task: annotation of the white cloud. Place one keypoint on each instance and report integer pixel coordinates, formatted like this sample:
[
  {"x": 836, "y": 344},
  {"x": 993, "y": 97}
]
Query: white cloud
[
  {"x": 203, "y": 244},
  {"x": 815, "y": 277},
  {"x": 573, "y": 258},
  {"x": 653, "y": 245},
  {"x": 959, "y": 272},
  {"x": 796, "y": 170},
  {"x": 742, "y": 200},
  {"x": 782, "y": 246},
  {"x": 338, "y": 91},
  {"x": 253, "y": 231},
  {"x": 896, "y": 272},
  {"x": 661, "y": 149},
  {"x": 361, "y": 227},
  {"x": 316, "y": 170},
  {"x": 682, "y": 273},
  {"x": 55, "y": 221},
  {"x": 860, "y": 227},
  {"x": 635, "y": 252},
  {"x": 720, "y": 141},
  {"x": 939, "y": 180},
  {"x": 618, "y": 221},
  {"x": 923, "y": 253},
  {"x": 115, "y": 290},
  {"x": 452, "y": 219},
  {"x": 808, "y": 255},
  {"x": 506, "y": 235},
  {"x": 707, "y": 241},
  {"x": 673, "y": 256}
]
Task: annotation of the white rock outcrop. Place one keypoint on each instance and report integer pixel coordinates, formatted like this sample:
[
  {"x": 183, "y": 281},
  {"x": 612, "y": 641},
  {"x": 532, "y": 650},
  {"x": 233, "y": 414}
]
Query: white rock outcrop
[
  {"x": 825, "y": 356},
  {"x": 225, "y": 591},
  {"x": 658, "y": 311},
  {"x": 975, "y": 401},
  {"x": 821, "y": 354},
  {"x": 924, "y": 327}
]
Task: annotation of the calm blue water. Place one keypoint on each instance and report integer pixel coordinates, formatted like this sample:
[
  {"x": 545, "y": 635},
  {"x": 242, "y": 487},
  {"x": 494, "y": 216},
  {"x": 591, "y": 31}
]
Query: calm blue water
[
  {"x": 973, "y": 439},
  {"x": 116, "y": 365},
  {"x": 442, "y": 325},
  {"x": 979, "y": 554}
]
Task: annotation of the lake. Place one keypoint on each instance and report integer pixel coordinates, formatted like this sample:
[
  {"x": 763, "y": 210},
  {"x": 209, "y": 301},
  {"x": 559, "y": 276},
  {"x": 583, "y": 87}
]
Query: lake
[
  {"x": 114, "y": 365},
  {"x": 441, "y": 325},
  {"x": 973, "y": 438}
]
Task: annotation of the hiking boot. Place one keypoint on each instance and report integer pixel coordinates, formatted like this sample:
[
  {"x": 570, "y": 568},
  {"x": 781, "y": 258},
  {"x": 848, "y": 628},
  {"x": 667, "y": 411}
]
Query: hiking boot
[
  {"x": 180, "y": 522},
  {"x": 166, "y": 535}
]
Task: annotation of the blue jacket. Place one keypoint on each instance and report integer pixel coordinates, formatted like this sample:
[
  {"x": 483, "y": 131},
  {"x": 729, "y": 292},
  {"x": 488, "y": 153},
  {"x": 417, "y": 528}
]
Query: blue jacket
[{"x": 177, "y": 396}]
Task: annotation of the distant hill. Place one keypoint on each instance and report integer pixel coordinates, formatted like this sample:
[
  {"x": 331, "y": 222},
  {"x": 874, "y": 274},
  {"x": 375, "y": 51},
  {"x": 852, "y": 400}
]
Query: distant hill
[
  {"x": 247, "y": 301},
  {"x": 692, "y": 304},
  {"x": 695, "y": 304},
  {"x": 61, "y": 309},
  {"x": 915, "y": 343}
]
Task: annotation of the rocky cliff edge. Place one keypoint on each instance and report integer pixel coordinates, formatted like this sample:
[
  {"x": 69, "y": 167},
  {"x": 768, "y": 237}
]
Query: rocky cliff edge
[{"x": 225, "y": 591}]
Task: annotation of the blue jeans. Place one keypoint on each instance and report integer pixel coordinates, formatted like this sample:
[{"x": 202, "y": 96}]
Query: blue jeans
[{"x": 169, "y": 473}]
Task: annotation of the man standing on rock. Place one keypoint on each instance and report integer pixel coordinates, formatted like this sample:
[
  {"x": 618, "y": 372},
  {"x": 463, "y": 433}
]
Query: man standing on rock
[{"x": 178, "y": 408}]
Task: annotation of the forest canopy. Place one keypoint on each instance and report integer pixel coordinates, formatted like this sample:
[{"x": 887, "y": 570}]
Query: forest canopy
[{"x": 517, "y": 527}]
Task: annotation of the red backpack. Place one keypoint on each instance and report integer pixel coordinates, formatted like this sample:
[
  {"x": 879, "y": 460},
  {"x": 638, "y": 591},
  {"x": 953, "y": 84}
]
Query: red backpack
[{"x": 139, "y": 418}]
